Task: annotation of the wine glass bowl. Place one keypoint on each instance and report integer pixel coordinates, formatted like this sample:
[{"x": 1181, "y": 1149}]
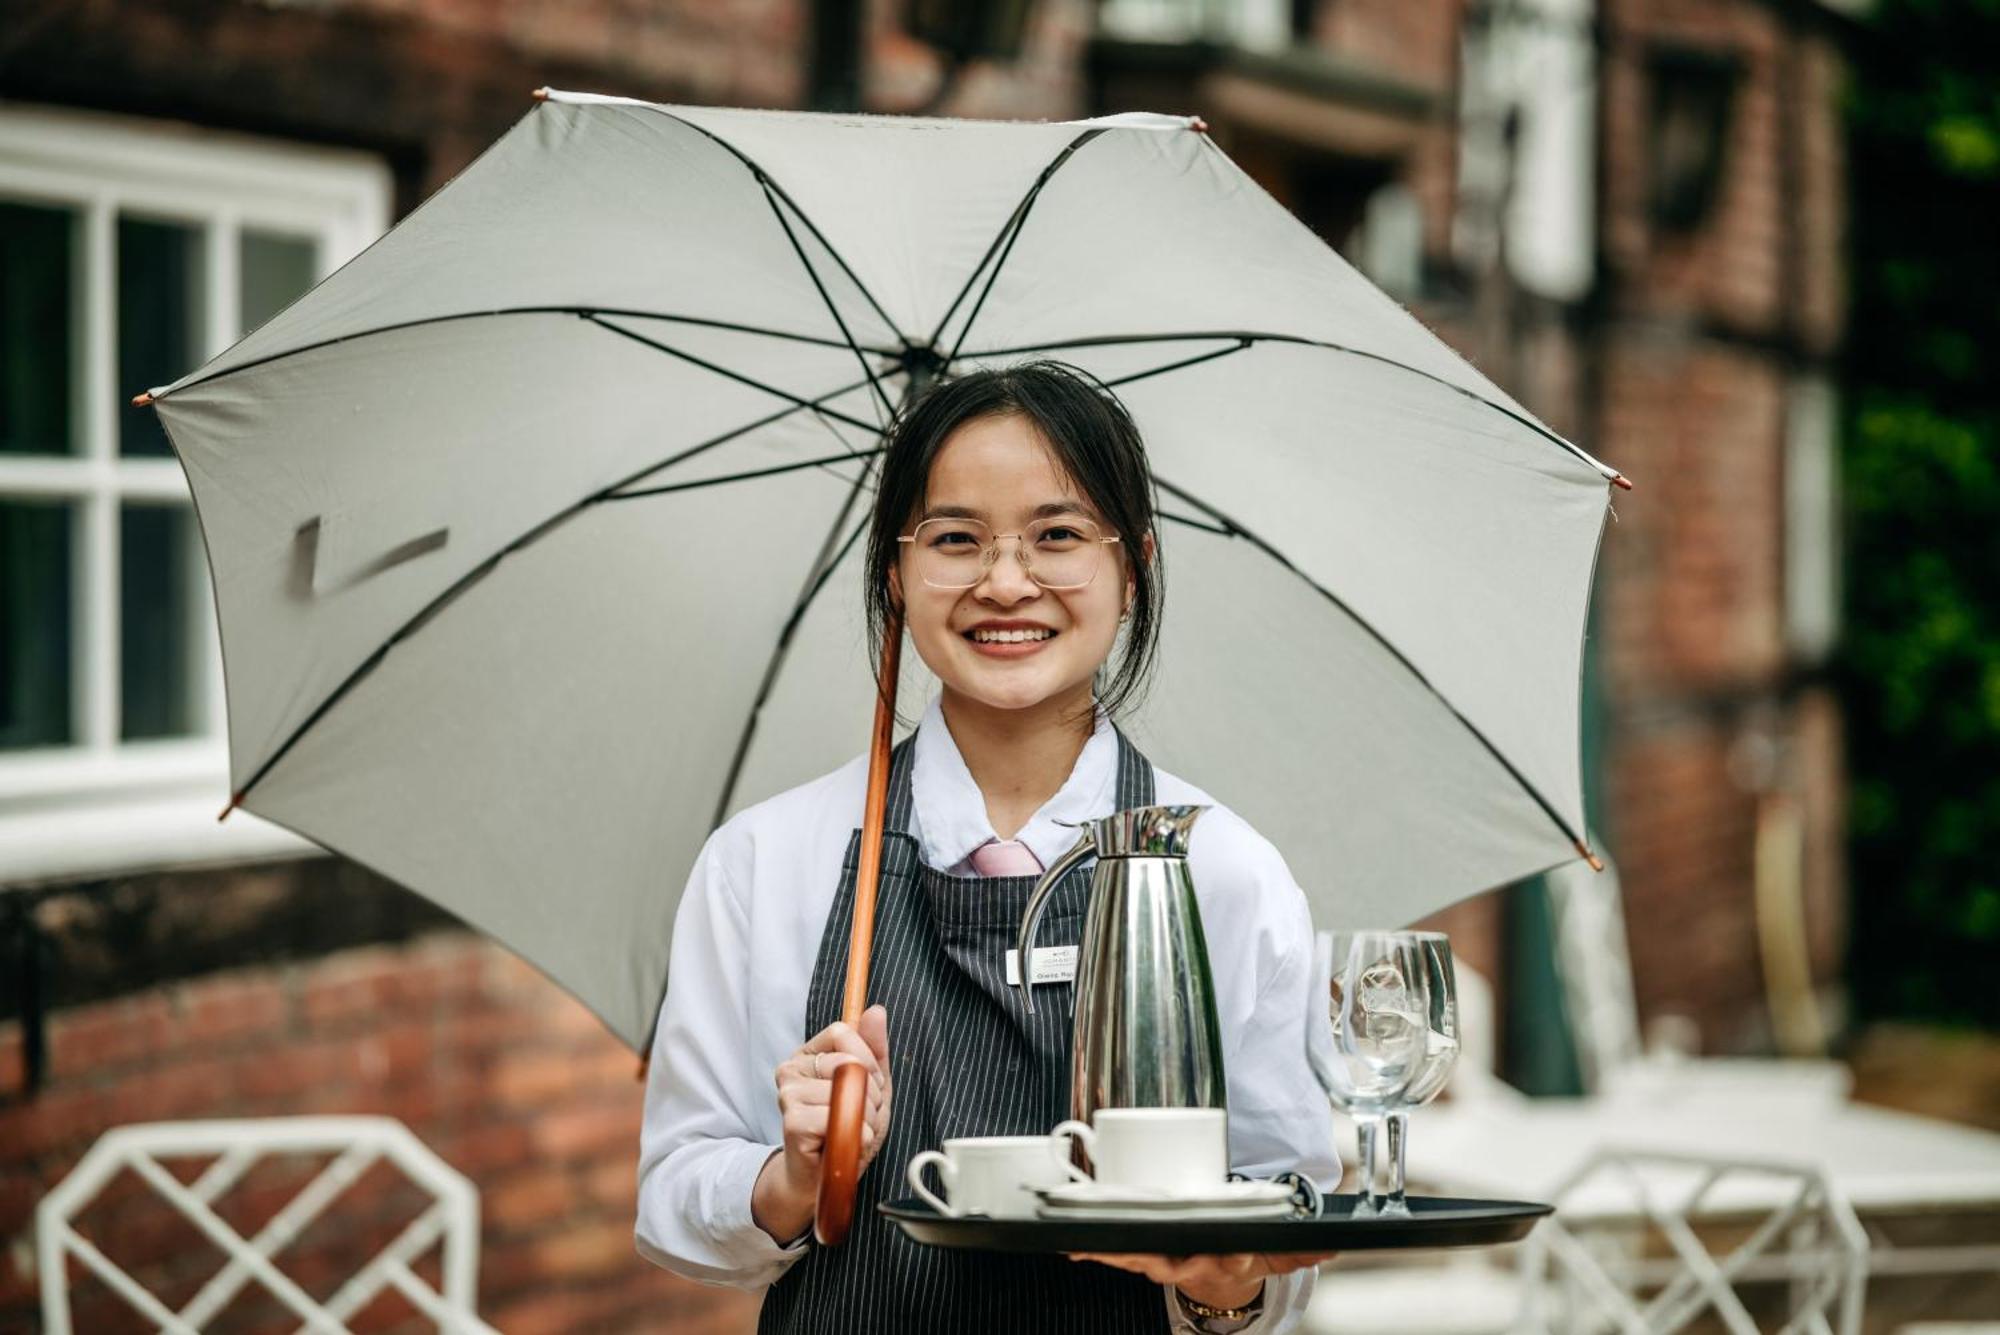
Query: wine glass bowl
[
  {"x": 1366, "y": 1029},
  {"x": 1434, "y": 1068}
]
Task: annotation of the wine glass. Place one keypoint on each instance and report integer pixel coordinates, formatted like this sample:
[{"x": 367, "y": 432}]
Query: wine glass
[
  {"x": 1365, "y": 1030},
  {"x": 1440, "y": 1055}
]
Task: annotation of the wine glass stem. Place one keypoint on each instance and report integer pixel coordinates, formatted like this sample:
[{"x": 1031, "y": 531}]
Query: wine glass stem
[
  {"x": 1365, "y": 1127},
  {"x": 1399, "y": 1139}
]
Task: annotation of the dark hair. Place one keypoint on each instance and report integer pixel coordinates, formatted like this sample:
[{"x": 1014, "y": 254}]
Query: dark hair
[{"x": 1091, "y": 436}]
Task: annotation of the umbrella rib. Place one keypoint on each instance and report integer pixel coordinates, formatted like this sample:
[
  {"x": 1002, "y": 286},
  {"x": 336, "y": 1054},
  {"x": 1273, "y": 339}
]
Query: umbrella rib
[
  {"x": 831, "y": 554},
  {"x": 771, "y": 196},
  {"x": 1237, "y": 530},
  {"x": 1008, "y": 231},
  {"x": 1239, "y": 346},
  {"x": 773, "y": 471},
  {"x": 738, "y": 376},
  {"x": 437, "y": 604},
  {"x": 824, "y": 565},
  {"x": 1253, "y": 336},
  {"x": 1220, "y": 530},
  {"x": 584, "y": 311},
  {"x": 770, "y": 186}
]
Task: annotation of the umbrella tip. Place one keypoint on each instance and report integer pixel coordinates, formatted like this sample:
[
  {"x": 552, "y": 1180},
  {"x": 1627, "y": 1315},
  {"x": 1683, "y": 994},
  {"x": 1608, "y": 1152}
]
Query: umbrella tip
[
  {"x": 142, "y": 399},
  {"x": 1620, "y": 481},
  {"x": 541, "y": 94},
  {"x": 235, "y": 801},
  {"x": 1198, "y": 125},
  {"x": 1583, "y": 851}
]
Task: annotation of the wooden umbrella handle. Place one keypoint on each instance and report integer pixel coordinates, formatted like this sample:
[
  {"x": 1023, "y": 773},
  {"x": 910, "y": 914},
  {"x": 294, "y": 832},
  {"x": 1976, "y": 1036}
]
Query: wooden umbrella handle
[{"x": 840, "y": 1154}]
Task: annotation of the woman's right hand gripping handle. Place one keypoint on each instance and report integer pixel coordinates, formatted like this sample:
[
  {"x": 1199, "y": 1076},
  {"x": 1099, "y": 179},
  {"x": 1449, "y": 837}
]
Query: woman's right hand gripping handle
[{"x": 787, "y": 1188}]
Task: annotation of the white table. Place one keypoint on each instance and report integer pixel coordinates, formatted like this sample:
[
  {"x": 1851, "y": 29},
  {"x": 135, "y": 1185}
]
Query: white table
[{"x": 1882, "y": 1162}]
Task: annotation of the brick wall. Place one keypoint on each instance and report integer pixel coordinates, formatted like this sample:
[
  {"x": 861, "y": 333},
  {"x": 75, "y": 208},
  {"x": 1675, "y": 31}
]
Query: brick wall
[
  {"x": 493, "y": 1067},
  {"x": 1678, "y": 377},
  {"x": 1713, "y": 723},
  {"x": 1693, "y": 593}
]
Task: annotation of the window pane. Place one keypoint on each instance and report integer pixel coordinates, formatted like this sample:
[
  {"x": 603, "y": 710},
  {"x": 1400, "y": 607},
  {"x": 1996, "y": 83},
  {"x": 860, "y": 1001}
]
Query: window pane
[
  {"x": 159, "y": 319},
  {"x": 155, "y": 609},
  {"x": 34, "y": 624},
  {"x": 275, "y": 269},
  {"x": 37, "y": 246}
]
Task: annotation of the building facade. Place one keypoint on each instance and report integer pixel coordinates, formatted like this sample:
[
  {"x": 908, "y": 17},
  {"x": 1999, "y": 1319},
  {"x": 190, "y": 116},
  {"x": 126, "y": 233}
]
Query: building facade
[{"x": 1627, "y": 212}]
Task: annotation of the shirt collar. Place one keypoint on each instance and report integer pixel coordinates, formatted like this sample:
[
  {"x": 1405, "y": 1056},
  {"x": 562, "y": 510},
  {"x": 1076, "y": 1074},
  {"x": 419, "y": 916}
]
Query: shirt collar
[{"x": 951, "y": 811}]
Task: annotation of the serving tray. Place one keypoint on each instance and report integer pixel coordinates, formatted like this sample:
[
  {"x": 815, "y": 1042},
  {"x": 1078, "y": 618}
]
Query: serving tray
[{"x": 1433, "y": 1221}]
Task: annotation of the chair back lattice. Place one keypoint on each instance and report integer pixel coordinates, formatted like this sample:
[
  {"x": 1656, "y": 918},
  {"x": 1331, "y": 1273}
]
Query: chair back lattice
[
  {"x": 1630, "y": 1259},
  {"x": 448, "y": 1218}
]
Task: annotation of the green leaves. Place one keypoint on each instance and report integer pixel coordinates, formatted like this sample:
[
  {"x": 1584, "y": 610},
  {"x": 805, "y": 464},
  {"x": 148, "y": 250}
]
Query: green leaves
[{"x": 1921, "y": 661}]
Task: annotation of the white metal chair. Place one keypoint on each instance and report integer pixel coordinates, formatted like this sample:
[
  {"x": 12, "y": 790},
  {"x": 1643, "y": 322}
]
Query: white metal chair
[
  {"x": 357, "y": 1143},
  {"x": 1799, "y": 1232}
]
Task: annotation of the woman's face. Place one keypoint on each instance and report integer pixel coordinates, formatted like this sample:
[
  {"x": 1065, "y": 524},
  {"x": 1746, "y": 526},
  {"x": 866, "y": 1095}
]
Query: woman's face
[{"x": 996, "y": 469}]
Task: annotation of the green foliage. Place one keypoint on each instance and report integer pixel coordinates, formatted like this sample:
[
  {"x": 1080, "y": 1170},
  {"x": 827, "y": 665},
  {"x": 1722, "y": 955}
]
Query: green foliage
[{"x": 1922, "y": 476}]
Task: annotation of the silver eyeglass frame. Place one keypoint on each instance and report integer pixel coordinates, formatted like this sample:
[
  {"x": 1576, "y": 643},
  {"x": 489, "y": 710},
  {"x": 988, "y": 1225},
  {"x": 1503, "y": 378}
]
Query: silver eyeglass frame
[{"x": 989, "y": 555}]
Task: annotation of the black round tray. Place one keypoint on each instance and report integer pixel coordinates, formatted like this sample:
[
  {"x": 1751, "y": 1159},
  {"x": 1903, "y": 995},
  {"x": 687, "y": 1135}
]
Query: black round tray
[{"x": 1434, "y": 1221}]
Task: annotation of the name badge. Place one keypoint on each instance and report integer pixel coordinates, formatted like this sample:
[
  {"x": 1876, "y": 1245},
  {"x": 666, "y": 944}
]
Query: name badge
[{"x": 1053, "y": 964}]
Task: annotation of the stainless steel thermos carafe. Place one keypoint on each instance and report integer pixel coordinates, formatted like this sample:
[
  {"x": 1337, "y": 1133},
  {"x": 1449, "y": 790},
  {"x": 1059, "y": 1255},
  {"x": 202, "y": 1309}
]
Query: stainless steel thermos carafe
[{"x": 1146, "y": 1033}]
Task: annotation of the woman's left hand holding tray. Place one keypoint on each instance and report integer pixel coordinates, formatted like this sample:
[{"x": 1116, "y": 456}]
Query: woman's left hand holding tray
[{"x": 1231, "y": 1281}]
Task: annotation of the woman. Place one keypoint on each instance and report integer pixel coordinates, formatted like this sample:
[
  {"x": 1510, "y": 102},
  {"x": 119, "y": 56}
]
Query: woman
[{"x": 1014, "y": 529}]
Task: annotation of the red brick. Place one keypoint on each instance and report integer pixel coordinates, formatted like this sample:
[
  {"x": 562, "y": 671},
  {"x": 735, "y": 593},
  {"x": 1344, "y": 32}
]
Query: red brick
[
  {"x": 394, "y": 1055},
  {"x": 283, "y": 1076},
  {"x": 582, "y": 1132},
  {"x": 13, "y": 1060},
  {"x": 584, "y": 1250},
  {"x": 481, "y": 1151},
  {"x": 224, "y": 1010},
  {"x": 532, "y": 1077},
  {"x": 614, "y": 1183},
  {"x": 469, "y": 1034},
  {"x": 20, "y": 1192},
  {"x": 560, "y": 1313},
  {"x": 110, "y": 1035},
  {"x": 177, "y": 1089},
  {"x": 528, "y": 1199},
  {"x": 61, "y": 1120}
]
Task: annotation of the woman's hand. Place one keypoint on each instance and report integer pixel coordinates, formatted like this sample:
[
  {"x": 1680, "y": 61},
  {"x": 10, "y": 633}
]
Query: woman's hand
[
  {"x": 787, "y": 1189},
  {"x": 1218, "y": 1281}
]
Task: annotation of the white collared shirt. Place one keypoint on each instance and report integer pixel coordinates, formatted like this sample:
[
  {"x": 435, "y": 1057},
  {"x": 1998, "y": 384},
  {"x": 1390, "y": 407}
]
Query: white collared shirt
[
  {"x": 950, "y": 819},
  {"x": 747, "y": 936}
]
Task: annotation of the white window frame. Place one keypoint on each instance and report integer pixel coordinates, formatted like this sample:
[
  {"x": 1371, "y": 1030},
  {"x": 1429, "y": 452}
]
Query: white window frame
[{"x": 100, "y": 805}]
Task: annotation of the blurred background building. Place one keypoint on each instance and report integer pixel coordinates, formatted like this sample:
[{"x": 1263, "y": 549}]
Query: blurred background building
[{"x": 1632, "y": 214}]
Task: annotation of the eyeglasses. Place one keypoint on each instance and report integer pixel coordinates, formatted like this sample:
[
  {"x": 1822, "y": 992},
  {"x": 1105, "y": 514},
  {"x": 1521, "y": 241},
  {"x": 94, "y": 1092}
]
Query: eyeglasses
[{"x": 1061, "y": 553}]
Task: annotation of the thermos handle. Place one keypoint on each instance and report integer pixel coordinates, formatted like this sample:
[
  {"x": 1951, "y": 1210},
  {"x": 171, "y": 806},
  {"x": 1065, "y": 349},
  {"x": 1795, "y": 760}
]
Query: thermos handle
[{"x": 1032, "y": 919}]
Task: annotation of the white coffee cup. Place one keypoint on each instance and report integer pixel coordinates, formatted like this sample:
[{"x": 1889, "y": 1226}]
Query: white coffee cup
[
  {"x": 994, "y": 1175},
  {"x": 1165, "y": 1149}
]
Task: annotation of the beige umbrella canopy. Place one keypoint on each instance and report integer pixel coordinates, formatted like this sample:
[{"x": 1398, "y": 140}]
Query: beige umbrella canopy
[{"x": 534, "y": 528}]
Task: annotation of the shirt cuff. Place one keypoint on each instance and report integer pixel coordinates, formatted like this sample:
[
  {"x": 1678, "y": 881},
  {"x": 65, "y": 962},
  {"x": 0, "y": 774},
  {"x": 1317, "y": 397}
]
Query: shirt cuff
[
  {"x": 1285, "y": 1300},
  {"x": 734, "y": 1187},
  {"x": 705, "y": 1229}
]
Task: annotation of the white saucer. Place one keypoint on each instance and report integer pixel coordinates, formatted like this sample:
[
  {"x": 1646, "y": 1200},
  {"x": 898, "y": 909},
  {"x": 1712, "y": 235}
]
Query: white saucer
[
  {"x": 1128, "y": 1215},
  {"x": 1080, "y": 1200}
]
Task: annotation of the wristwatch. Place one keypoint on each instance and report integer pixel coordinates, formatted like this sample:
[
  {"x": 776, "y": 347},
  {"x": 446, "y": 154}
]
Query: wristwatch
[{"x": 1204, "y": 1319}]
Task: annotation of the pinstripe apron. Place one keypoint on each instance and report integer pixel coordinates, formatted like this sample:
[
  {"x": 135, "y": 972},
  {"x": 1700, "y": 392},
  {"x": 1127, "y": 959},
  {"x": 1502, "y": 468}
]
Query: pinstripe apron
[{"x": 967, "y": 1060}]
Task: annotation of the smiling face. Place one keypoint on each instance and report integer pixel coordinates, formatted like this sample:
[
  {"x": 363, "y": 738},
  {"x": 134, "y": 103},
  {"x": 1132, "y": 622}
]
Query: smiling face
[{"x": 1006, "y": 643}]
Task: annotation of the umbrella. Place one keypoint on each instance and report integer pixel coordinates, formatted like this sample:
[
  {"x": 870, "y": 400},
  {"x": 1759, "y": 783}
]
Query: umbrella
[{"x": 533, "y": 528}]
